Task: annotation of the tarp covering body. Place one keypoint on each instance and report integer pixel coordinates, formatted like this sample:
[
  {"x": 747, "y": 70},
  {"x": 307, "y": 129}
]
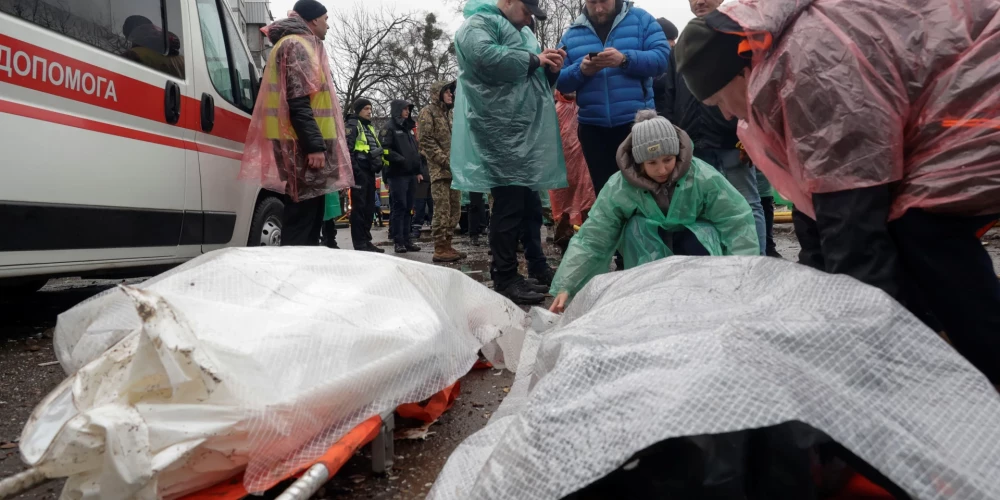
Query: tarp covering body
[
  {"x": 249, "y": 358},
  {"x": 689, "y": 346},
  {"x": 848, "y": 94},
  {"x": 579, "y": 195},
  {"x": 505, "y": 132},
  {"x": 298, "y": 66}
]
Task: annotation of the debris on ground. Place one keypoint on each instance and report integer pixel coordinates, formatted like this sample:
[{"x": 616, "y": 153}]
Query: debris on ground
[{"x": 421, "y": 433}]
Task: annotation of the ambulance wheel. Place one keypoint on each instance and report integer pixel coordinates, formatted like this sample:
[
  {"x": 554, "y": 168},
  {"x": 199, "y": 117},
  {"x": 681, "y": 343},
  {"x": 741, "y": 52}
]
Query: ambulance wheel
[{"x": 265, "y": 228}]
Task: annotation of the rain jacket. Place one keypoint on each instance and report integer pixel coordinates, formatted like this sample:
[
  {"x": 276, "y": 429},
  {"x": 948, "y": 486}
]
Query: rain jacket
[
  {"x": 397, "y": 137},
  {"x": 280, "y": 164},
  {"x": 434, "y": 126},
  {"x": 612, "y": 96},
  {"x": 579, "y": 196},
  {"x": 506, "y": 132},
  {"x": 632, "y": 210},
  {"x": 848, "y": 94}
]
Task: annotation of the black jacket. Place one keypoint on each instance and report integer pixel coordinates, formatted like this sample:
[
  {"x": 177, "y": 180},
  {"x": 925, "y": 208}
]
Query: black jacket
[
  {"x": 369, "y": 163},
  {"x": 301, "y": 115},
  {"x": 299, "y": 109},
  {"x": 397, "y": 138},
  {"x": 706, "y": 125}
]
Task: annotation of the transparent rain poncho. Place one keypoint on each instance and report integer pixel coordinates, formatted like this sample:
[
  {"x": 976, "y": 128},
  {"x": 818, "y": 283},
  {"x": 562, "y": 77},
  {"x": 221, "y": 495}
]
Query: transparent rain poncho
[
  {"x": 848, "y": 94},
  {"x": 627, "y": 218},
  {"x": 579, "y": 196},
  {"x": 298, "y": 67},
  {"x": 505, "y": 131}
]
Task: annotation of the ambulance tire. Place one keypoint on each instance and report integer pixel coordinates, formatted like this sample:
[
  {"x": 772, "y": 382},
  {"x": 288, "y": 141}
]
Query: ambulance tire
[{"x": 265, "y": 227}]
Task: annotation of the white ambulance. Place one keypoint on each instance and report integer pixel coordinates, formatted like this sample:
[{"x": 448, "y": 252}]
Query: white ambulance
[{"x": 122, "y": 125}]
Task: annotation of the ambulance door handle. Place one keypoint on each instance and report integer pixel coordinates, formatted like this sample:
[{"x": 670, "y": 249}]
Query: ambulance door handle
[
  {"x": 172, "y": 103},
  {"x": 207, "y": 112}
]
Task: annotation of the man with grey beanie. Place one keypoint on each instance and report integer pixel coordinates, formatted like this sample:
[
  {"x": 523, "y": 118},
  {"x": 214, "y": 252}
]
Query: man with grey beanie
[{"x": 664, "y": 201}]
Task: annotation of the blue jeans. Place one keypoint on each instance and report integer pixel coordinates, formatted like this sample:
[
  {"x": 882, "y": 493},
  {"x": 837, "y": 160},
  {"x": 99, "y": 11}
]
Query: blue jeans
[
  {"x": 743, "y": 178},
  {"x": 401, "y": 206}
]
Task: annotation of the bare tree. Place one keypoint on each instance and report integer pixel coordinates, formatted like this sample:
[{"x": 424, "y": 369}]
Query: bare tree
[
  {"x": 561, "y": 14},
  {"x": 423, "y": 54},
  {"x": 360, "y": 56}
]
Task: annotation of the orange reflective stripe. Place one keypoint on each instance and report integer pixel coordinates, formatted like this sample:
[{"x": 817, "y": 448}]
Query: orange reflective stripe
[
  {"x": 972, "y": 123},
  {"x": 982, "y": 232}
]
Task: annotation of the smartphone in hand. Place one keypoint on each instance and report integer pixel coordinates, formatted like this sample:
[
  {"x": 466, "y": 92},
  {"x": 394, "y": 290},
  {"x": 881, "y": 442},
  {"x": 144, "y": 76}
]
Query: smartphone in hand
[{"x": 593, "y": 54}]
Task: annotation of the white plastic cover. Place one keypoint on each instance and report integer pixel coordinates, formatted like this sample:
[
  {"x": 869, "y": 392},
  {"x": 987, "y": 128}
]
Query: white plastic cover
[
  {"x": 255, "y": 358},
  {"x": 690, "y": 346}
]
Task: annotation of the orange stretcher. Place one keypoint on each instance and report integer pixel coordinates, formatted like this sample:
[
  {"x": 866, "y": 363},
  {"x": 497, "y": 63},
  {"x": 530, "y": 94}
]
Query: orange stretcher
[{"x": 376, "y": 431}]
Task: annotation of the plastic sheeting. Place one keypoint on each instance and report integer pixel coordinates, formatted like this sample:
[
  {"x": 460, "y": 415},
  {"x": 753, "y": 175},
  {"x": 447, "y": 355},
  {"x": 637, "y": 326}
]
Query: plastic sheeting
[
  {"x": 688, "y": 346},
  {"x": 249, "y": 358},
  {"x": 505, "y": 132},
  {"x": 280, "y": 165},
  {"x": 858, "y": 93},
  {"x": 579, "y": 196}
]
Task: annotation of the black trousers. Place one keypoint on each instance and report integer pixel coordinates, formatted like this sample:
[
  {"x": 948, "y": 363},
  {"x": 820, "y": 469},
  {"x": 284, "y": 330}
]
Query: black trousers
[
  {"x": 932, "y": 263},
  {"x": 423, "y": 211},
  {"x": 770, "y": 249},
  {"x": 330, "y": 233},
  {"x": 302, "y": 221},
  {"x": 683, "y": 242},
  {"x": 401, "y": 193},
  {"x": 477, "y": 214},
  {"x": 600, "y": 148},
  {"x": 517, "y": 210},
  {"x": 362, "y": 209}
]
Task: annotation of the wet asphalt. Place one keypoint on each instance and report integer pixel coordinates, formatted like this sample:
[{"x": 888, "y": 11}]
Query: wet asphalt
[{"x": 27, "y": 375}]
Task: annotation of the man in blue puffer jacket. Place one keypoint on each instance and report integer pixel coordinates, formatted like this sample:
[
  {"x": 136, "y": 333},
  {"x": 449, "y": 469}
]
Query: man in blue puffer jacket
[{"x": 614, "y": 52}]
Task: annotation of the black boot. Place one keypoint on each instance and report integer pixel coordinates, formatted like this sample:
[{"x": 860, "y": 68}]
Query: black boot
[
  {"x": 519, "y": 292},
  {"x": 400, "y": 248},
  {"x": 410, "y": 247},
  {"x": 535, "y": 286},
  {"x": 543, "y": 277}
]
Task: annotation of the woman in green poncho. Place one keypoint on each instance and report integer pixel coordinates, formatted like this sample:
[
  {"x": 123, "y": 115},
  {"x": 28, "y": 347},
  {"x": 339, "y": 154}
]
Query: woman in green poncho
[{"x": 663, "y": 202}]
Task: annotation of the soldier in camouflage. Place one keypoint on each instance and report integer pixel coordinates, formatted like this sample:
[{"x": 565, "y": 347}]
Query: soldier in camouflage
[{"x": 434, "y": 125}]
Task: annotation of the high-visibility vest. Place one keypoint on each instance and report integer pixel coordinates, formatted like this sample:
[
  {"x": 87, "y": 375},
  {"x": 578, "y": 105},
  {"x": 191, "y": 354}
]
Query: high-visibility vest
[
  {"x": 320, "y": 102},
  {"x": 361, "y": 143}
]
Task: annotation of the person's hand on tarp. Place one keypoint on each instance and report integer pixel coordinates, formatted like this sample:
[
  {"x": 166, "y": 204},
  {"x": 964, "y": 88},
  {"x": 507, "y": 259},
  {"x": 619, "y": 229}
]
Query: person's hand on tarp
[{"x": 559, "y": 304}]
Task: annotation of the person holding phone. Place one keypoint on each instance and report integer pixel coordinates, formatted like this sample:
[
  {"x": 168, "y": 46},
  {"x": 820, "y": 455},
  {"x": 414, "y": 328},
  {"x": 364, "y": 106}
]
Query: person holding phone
[{"x": 614, "y": 50}]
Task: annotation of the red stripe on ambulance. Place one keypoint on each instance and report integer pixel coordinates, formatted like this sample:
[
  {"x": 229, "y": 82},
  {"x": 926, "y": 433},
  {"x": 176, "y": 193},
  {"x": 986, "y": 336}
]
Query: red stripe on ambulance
[{"x": 36, "y": 68}]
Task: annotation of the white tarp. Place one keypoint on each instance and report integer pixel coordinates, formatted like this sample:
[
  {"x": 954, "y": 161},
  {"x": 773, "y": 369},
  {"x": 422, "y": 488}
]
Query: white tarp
[
  {"x": 692, "y": 346},
  {"x": 255, "y": 358}
]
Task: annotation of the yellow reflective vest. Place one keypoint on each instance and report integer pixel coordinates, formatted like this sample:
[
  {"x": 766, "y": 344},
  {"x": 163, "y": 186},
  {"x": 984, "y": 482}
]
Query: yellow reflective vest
[
  {"x": 320, "y": 102},
  {"x": 361, "y": 143}
]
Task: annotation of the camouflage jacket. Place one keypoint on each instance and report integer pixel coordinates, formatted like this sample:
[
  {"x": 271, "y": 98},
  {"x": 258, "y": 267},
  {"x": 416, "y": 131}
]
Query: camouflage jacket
[{"x": 434, "y": 127}]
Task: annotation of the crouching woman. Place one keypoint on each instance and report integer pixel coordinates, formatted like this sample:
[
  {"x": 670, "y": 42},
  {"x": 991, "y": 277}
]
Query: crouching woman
[{"x": 662, "y": 202}]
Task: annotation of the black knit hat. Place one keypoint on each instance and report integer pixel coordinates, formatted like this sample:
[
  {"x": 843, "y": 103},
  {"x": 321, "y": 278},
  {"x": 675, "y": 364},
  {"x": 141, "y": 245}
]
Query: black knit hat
[
  {"x": 708, "y": 59},
  {"x": 309, "y": 9},
  {"x": 668, "y": 28},
  {"x": 360, "y": 104}
]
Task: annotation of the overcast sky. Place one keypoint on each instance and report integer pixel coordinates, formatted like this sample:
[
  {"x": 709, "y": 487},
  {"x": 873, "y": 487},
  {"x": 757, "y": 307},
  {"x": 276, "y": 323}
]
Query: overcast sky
[{"x": 677, "y": 11}]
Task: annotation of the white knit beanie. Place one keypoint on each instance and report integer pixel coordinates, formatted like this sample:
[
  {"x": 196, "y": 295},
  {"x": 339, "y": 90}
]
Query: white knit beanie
[{"x": 653, "y": 136}]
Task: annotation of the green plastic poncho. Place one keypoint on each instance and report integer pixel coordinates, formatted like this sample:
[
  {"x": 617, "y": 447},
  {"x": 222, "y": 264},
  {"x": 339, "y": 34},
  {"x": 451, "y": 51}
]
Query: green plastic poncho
[
  {"x": 505, "y": 132},
  {"x": 331, "y": 208},
  {"x": 627, "y": 218}
]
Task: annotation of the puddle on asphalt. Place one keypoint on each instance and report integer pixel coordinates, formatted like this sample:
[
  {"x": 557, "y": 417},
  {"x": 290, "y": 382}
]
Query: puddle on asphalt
[{"x": 479, "y": 271}]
